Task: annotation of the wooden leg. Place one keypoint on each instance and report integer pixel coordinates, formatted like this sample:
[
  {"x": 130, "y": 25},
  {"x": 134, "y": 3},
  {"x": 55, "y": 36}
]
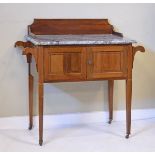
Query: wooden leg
[
  {"x": 128, "y": 106},
  {"x": 40, "y": 113},
  {"x": 30, "y": 85},
  {"x": 30, "y": 101},
  {"x": 110, "y": 99}
]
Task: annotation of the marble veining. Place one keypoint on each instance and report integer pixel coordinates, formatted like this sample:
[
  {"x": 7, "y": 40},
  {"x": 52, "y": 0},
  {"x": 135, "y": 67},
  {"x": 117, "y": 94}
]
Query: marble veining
[{"x": 87, "y": 39}]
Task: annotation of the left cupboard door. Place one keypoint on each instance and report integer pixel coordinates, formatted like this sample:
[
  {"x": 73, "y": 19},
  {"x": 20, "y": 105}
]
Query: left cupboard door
[{"x": 64, "y": 64}]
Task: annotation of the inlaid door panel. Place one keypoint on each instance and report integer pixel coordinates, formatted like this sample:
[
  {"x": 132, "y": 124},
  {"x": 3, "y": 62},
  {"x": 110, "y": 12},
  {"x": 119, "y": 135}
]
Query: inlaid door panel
[
  {"x": 106, "y": 62},
  {"x": 64, "y": 63}
]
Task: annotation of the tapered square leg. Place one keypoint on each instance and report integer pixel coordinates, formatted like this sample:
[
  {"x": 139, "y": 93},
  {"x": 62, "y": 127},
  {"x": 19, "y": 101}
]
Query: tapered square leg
[
  {"x": 40, "y": 113},
  {"x": 128, "y": 106},
  {"x": 30, "y": 85},
  {"x": 30, "y": 101},
  {"x": 110, "y": 99}
]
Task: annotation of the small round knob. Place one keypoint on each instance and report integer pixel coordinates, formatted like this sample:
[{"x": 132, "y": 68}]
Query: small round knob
[{"x": 89, "y": 62}]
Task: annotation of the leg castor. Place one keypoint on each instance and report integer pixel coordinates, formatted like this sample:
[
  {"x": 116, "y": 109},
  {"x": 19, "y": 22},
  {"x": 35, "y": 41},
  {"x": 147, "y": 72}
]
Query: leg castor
[
  {"x": 110, "y": 120},
  {"x": 30, "y": 127},
  {"x": 41, "y": 142},
  {"x": 127, "y": 136}
]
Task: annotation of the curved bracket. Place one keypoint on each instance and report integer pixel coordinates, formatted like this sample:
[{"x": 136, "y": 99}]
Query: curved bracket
[
  {"x": 136, "y": 49},
  {"x": 23, "y": 44},
  {"x": 29, "y": 50},
  {"x": 33, "y": 52}
]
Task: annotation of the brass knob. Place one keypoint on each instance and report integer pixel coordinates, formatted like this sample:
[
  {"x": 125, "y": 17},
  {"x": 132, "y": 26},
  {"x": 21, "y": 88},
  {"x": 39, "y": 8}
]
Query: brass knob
[{"x": 89, "y": 62}]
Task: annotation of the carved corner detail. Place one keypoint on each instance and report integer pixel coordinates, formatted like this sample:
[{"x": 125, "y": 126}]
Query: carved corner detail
[
  {"x": 23, "y": 44},
  {"x": 29, "y": 52},
  {"x": 136, "y": 49}
]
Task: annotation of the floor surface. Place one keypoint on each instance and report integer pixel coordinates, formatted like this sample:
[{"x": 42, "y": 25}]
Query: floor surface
[{"x": 91, "y": 137}]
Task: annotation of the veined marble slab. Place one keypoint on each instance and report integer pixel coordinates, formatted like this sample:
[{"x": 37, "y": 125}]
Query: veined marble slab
[{"x": 86, "y": 39}]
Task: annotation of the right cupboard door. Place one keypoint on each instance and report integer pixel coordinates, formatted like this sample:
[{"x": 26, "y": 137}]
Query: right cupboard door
[{"x": 107, "y": 62}]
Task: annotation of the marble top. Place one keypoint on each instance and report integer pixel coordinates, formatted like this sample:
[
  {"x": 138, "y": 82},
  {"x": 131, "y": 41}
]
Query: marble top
[{"x": 86, "y": 39}]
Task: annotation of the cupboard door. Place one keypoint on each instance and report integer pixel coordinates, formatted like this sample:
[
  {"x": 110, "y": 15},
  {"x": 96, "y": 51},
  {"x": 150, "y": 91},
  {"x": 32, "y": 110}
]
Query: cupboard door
[
  {"x": 64, "y": 63},
  {"x": 107, "y": 62}
]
